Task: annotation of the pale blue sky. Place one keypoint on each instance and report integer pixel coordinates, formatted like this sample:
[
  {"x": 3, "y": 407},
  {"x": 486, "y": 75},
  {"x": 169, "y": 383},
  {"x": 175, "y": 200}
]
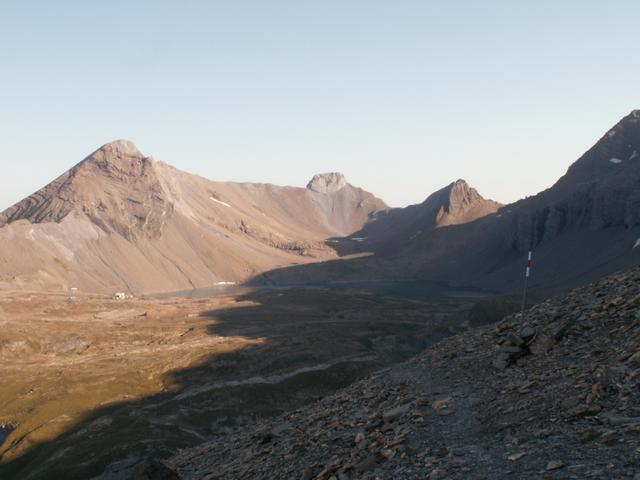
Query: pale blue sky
[{"x": 402, "y": 96}]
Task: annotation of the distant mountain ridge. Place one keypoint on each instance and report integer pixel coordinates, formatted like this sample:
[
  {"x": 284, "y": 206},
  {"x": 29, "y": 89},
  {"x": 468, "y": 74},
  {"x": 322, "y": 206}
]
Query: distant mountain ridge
[
  {"x": 585, "y": 226},
  {"x": 121, "y": 220}
]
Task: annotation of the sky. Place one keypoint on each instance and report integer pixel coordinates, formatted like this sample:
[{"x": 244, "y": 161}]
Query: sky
[{"x": 403, "y": 97}]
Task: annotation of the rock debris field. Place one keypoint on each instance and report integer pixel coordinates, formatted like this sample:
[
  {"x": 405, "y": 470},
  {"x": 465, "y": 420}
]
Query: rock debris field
[{"x": 550, "y": 394}]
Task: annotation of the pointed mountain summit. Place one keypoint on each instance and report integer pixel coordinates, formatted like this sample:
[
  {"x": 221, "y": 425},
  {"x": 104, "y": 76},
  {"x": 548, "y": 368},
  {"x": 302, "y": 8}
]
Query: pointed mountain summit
[
  {"x": 116, "y": 187},
  {"x": 458, "y": 203},
  {"x": 334, "y": 194},
  {"x": 618, "y": 147},
  {"x": 119, "y": 155}
]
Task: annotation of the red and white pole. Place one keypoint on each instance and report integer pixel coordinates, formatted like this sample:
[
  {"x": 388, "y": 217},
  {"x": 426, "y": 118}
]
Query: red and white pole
[{"x": 526, "y": 280}]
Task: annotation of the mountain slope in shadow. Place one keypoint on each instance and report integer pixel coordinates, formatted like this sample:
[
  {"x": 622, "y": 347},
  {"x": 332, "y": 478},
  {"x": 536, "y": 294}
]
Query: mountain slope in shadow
[{"x": 585, "y": 226}]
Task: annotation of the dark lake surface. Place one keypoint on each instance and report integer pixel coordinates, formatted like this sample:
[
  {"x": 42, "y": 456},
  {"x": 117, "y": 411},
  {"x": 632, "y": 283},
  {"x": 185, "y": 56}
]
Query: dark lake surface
[
  {"x": 397, "y": 288},
  {"x": 5, "y": 431}
]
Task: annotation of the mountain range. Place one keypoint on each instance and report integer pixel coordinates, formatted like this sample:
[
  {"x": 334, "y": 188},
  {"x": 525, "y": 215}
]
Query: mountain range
[
  {"x": 122, "y": 221},
  {"x": 585, "y": 226}
]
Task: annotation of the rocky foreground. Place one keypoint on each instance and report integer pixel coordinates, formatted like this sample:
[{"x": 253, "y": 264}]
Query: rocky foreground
[{"x": 551, "y": 394}]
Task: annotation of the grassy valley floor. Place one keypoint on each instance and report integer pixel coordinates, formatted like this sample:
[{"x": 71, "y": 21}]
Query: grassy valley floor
[{"x": 92, "y": 381}]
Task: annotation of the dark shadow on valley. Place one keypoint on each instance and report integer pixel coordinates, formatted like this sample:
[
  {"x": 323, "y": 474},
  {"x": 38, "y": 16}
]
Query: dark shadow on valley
[{"x": 305, "y": 344}]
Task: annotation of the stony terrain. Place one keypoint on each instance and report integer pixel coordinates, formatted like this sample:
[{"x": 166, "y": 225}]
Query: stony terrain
[{"x": 551, "y": 394}]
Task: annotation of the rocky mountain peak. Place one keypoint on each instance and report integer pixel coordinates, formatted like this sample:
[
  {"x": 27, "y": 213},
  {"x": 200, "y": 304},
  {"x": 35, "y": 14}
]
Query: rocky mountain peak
[
  {"x": 120, "y": 157},
  {"x": 460, "y": 183},
  {"x": 116, "y": 187},
  {"x": 458, "y": 203},
  {"x": 630, "y": 121},
  {"x": 327, "y": 183},
  {"x": 122, "y": 147},
  {"x": 461, "y": 194},
  {"x": 617, "y": 151}
]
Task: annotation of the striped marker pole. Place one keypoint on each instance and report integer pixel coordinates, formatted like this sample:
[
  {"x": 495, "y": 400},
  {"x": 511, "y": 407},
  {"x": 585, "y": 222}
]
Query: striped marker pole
[{"x": 526, "y": 281}]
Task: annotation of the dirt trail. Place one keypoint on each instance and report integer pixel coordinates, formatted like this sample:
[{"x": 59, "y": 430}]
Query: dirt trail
[{"x": 273, "y": 379}]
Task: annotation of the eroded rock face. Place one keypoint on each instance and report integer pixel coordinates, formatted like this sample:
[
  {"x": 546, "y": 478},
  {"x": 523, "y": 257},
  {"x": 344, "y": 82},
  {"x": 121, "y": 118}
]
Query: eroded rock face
[{"x": 327, "y": 183}]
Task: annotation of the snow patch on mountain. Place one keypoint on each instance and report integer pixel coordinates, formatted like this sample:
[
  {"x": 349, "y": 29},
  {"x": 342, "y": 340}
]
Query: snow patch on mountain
[{"x": 220, "y": 202}]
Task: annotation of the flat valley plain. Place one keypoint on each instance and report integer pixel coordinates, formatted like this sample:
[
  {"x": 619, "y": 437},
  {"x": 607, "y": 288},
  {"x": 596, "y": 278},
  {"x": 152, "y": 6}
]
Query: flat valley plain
[{"x": 89, "y": 381}]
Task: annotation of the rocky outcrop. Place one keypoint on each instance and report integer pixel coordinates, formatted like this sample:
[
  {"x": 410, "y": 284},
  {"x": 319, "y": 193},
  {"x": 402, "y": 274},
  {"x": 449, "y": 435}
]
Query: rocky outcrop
[
  {"x": 138, "y": 469},
  {"x": 327, "y": 183}
]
